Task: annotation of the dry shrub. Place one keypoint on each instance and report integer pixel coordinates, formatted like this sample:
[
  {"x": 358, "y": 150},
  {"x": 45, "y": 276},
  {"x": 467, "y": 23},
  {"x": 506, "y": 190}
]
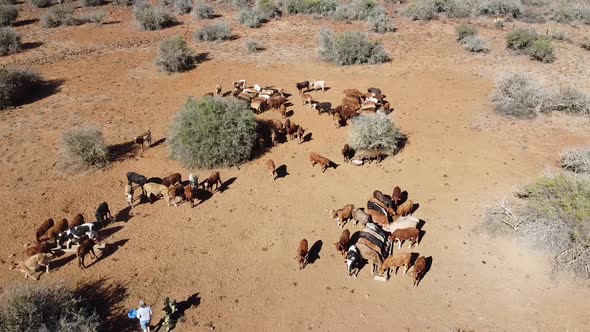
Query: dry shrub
[
  {"x": 8, "y": 15},
  {"x": 530, "y": 42},
  {"x": 512, "y": 8},
  {"x": 252, "y": 46},
  {"x": 464, "y": 30},
  {"x": 519, "y": 96},
  {"x": 251, "y": 18},
  {"x": 426, "y": 10},
  {"x": 475, "y": 44},
  {"x": 9, "y": 41},
  {"x": 83, "y": 148},
  {"x": 576, "y": 160},
  {"x": 175, "y": 56},
  {"x": 381, "y": 23},
  {"x": 95, "y": 17},
  {"x": 91, "y": 3},
  {"x": 152, "y": 18},
  {"x": 203, "y": 11},
  {"x": 309, "y": 7},
  {"x": 212, "y": 132},
  {"x": 57, "y": 16},
  {"x": 585, "y": 44},
  {"x": 376, "y": 131},
  {"x": 570, "y": 100},
  {"x": 215, "y": 32},
  {"x": 16, "y": 85},
  {"x": 350, "y": 48},
  {"x": 358, "y": 10},
  {"x": 182, "y": 6},
  {"x": 554, "y": 216},
  {"x": 39, "y": 3},
  {"x": 29, "y": 307}
]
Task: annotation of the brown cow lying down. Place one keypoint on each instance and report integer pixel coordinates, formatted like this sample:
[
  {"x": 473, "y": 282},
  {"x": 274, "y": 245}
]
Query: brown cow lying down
[{"x": 32, "y": 264}]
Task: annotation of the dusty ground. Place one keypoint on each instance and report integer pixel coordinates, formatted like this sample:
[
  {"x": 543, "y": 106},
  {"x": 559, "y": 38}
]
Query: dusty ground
[{"x": 235, "y": 250}]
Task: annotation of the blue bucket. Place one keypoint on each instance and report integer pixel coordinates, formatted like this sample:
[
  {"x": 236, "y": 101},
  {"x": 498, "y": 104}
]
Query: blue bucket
[{"x": 132, "y": 314}]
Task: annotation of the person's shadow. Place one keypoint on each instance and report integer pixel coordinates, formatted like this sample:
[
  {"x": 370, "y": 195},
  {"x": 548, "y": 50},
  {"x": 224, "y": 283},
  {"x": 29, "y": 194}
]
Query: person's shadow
[{"x": 192, "y": 301}]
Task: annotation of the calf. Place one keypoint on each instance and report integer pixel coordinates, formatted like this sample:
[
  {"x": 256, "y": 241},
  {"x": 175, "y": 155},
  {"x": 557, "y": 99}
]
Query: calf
[
  {"x": 387, "y": 200},
  {"x": 77, "y": 221},
  {"x": 322, "y": 107},
  {"x": 172, "y": 179},
  {"x": 174, "y": 192},
  {"x": 299, "y": 134},
  {"x": 193, "y": 180},
  {"x": 395, "y": 261},
  {"x": 156, "y": 190},
  {"x": 53, "y": 232},
  {"x": 270, "y": 166},
  {"x": 347, "y": 152},
  {"x": 45, "y": 226},
  {"x": 213, "y": 179},
  {"x": 77, "y": 233},
  {"x": 370, "y": 155},
  {"x": 419, "y": 270},
  {"x": 378, "y": 218},
  {"x": 306, "y": 99},
  {"x": 103, "y": 213},
  {"x": 342, "y": 215},
  {"x": 342, "y": 244},
  {"x": 323, "y": 161},
  {"x": 318, "y": 85},
  {"x": 44, "y": 247},
  {"x": 188, "y": 195},
  {"x": 412, "y": 234},
  {"x": 302, "y": 85},
  {"x": 87, "y": 246},
  {"x": 358, "y": 215},
  {"x": 137, "y": 179},
  {"x": 218, "y": 90},
  {"x": 145, "y": 138},
  {"x": 292, "y": 130},
  {"x": 32, "y": 264},
  {"x": 302, "y": 254},
  {"x": 396, "y": 196},
  {"x": 406, "y": 208}
]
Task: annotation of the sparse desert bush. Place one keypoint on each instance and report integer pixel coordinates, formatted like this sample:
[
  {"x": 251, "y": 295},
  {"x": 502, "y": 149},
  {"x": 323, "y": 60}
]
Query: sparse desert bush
[
  {"x": 95, "y": 17},
  {"x": 358, "y": 10},
  {"x": 182, "y": 6},
  {"x": 91, "y": 3},
  {"x": 267, "y": 9},
  {"x": 464, "y": 30},
  {"x": 309, "y": 7},
  {"x": 554, "y": 216},
  {"x": 39, "y": 3},
  {"x": 350, "y": 48},
  {"x": 212, "y": 132},
  {"x": 521, "y": 39},
  {"x": 381, "y": 24},
  {"x": 203, "y": 11},
  {"x": 9, "y": 41},
  {"x": 16, "y": 85},
  {"x": 253, "y": 46},
  {"x": 152, "y": 18},
  {"x": 585, "y": 44},
  {"x": 519, "y": 96},
  {"x": 558, "y": 35},
  {"x": 475, "y": 44},
  {"x": 542, "y": 50},
  {"x": 29, "y": 307},
  {"x": 8, "y": 15},
  {"x": 426, "y": 10},
  {"x": 568, "y": 12},
  {"x": 576, "y": 160},
  {"x": 532, "y": 14},
  {"x": 216, "y": 32},
  {"x": 175, "y": 56},
  {"x": 122, "y": 2},
  {"x": 421, "y": 10},
  {"x": 250, "y": 18},
  {"x": 570, "y": 100},
  {"x": 512, "y": 8},
  {"x": 84, "y": 147},
  {"x": 57, "y": 16},
  {"x": 375, "y": 131}
]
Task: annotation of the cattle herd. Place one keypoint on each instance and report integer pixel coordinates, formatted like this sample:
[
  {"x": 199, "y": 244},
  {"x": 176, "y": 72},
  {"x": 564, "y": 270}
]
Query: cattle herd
[{"x": 385, "y": 221}]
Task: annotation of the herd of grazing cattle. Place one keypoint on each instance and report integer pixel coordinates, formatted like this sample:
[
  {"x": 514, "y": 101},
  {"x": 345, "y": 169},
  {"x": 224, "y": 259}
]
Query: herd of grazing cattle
[{"x": 386, "y": 220}]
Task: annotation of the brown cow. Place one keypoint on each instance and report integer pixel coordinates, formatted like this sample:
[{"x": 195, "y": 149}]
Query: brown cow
[
  {"x": 347, "y": 152},
  {"x": 45, "y": 226},
  {"x": 87, "y": 246},
  {"x": 342, "y": 215},
  {"x": 419, "y": 270},
  {"x": 270, "y": 166},
  {"x": 171, "y": 179},
  {"x": 77, "y": 221},
  {"x": 401, "y": 235},
  {"x": 406, "y": 208},
  {"x": 395, "y": 261},
  {"x": 396, "y": 196},
  {"x": 44, "y": 247},
  {"x": 299, "y": 134},
  {"x": 342, "y": 244},
  {"x": 51, "y": 234},
  {"x": 213, "y": 179},
  {"x": 188, "y": 195},
  {"x": 302, "y": 254},
  {"x": 323, "y": 161}
]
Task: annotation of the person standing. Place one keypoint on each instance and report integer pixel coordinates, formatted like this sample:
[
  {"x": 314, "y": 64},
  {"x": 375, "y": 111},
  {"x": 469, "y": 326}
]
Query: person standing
[{"x": 144, "y": 314}]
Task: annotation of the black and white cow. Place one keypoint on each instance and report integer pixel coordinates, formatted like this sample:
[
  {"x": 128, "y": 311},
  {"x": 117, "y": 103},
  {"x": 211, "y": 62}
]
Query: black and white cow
[
  {"x": 103, "y": 213},
  {"x": 354, "y": 260},
  {"x": 138, "y": 179},
  {"x": 78, "y": 232}
]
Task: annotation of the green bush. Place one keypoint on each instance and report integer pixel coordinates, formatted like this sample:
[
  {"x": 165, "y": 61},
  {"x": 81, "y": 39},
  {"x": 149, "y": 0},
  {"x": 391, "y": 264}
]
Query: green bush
[
  {"x": 585, "y": 44},
  {"x": 203, "y": 11},
  {"x": 421, "y": 10},
  {"x": 152, "y": 18},
  {"x": 267, "y": 9},
  {"x": 9, "y": 41},
  {"x": 250, "y": 18},
  {"x": 182, "y": 6},
  {"x": 175, "y": 56},
  {"x": 57, "y": 16},
  {"x": 215, "y": 32},
  {"x": 375, "y": 131},
  {"x": 554, "y": 216},
  {"x": 358, "y": 10},
  {"x": 350, "y": 48},
  {"x": 381, "y": 24},
  {"x": 464, "y": 30},
  {"x": 475, "y": 44},
  {"x": 569, "y": 100},
  {"x": 511, "y": 8},
  {"x": 84, "y": 147},
  {"x": 519, "y": 96},
  {"x": 39, "y": 3},
  {"x": 558, "y": 35},
  {"x": 253, "y": 46},
  {"x": 571, "y": 12},
  {"x": 576, "y": 160},
  {"x": 91, "y": 3},
  {"x": 30, "y": 307},
  {"x": 8, "y": 15},
  {"x": 309, "y": 7},
  {"x": 95, "y": 17},
  {"x": 542, "y": 50},
  {"x": 521, "y": 39},
  {"x": 212, "y": 132},
  {"x": 16, "y": 85},
  {"x": 122, "y": 2}
]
